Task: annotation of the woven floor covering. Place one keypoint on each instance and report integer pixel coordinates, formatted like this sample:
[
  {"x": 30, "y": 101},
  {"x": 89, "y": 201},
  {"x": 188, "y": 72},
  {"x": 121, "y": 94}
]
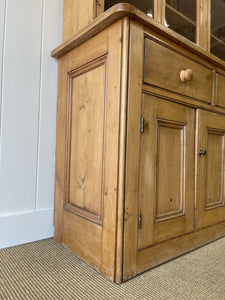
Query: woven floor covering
[{"x": 48, "y": 270}]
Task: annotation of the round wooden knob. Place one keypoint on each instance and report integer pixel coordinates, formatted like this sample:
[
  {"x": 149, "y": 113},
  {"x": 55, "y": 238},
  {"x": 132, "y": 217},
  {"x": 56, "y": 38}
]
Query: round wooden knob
[{"x": 186, "y": 75}]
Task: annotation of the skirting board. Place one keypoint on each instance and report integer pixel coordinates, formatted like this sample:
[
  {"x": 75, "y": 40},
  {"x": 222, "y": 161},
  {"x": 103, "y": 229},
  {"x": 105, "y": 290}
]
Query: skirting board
[{"x": 25, "y": 227}]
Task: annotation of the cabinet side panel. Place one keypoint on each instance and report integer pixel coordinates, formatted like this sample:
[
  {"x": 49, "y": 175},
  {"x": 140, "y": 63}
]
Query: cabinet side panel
[
  {"x": 84, "y": 238},
  {"x": 76, "y": 15},
  {"x": 86, "y": 117},
  {"x": 86, "y": 203}
]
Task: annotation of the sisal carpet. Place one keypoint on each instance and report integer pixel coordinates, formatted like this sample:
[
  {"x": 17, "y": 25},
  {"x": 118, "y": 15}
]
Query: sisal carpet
[{"x": 47, "y": 270}]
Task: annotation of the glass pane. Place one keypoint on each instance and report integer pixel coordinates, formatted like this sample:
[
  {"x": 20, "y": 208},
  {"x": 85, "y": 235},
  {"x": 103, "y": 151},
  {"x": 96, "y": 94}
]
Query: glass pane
[
  {"x": 218, "y": 48},
  {"x": 218, "y": 28},
  {"x": 144, "y": 5},
  {"x": 187, "y": 8},
  {"x": 181, "y": 17}
]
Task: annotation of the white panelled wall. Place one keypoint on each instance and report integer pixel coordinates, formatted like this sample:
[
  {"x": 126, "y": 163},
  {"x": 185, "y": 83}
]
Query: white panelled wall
[{"x": 29, "y": 30}]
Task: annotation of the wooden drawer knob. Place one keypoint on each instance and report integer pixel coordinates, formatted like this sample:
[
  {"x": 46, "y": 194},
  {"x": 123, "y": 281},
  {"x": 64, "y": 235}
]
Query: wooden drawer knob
[{"x": 186, "y": 75}]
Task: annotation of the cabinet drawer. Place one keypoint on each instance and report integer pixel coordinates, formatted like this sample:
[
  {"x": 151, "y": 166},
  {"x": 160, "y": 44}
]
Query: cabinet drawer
[
  {"x": 220, "y": 99},
  {"x": 162, "y": 67}
]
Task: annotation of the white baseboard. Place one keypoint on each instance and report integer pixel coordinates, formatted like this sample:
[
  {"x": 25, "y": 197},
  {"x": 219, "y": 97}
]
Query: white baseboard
[{"x": 26, "y": 227}]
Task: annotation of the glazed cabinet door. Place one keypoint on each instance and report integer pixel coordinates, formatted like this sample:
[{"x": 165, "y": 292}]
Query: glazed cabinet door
[
  {"x": 166, "y": 191},
  {"x": 210, "y": 168}
]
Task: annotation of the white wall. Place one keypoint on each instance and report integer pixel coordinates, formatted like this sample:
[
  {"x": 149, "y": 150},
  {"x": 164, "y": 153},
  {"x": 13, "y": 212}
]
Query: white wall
[{"x": 29, "y": 30}]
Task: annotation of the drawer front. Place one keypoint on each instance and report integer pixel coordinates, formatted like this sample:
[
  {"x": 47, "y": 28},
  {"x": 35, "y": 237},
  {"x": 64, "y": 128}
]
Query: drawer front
[
  {"x": 162, "y": 68},
  {"x": 220, "y": 99}
]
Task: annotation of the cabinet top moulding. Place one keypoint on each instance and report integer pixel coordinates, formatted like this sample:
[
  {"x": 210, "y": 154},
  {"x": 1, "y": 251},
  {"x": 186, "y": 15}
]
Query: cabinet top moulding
[{"x": 120, "y": 11}]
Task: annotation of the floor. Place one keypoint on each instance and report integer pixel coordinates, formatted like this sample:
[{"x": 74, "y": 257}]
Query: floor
[{"x": 48, "y": 270}]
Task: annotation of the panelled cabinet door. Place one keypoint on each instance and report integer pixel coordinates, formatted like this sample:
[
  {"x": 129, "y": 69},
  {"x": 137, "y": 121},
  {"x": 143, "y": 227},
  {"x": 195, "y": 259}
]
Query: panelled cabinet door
[
  {"x": 211, "y": 168},
  {"x": 166, "y": 198}
]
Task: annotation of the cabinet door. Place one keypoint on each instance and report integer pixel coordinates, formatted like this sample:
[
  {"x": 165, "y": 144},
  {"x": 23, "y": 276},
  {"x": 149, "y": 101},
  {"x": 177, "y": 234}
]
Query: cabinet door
[
  {"x": 210, "y": 168},
  {"x": 166, "y": 192}
]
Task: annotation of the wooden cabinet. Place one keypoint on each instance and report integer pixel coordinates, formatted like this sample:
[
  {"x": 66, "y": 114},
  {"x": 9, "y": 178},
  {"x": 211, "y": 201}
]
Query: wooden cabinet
[
  {"x": 200, "y": 21},
  {"x": 140, "y": 144}
]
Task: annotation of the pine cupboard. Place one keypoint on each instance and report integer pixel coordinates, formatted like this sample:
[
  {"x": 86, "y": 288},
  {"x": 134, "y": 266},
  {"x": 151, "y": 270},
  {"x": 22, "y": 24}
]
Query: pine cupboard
[
  {"x": 140, "y": 144},
  {"x": 200, "y": 21}
]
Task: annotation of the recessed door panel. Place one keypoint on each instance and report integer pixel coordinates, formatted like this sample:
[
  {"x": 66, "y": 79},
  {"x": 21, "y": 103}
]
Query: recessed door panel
[
  {"x": 166, "y": 197},
  {"x": 215, "y": 162},
  {"x": 86, "y": 117},
  {"x": 170, "y": 170},
  {"x": 210, "y": 168}
]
